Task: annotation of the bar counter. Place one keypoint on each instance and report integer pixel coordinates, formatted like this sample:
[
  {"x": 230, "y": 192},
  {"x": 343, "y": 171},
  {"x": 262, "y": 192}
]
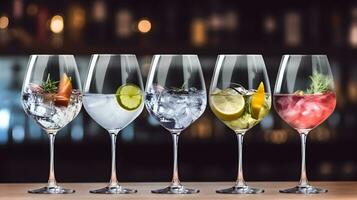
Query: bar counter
[{"x": 336, "y": 190}]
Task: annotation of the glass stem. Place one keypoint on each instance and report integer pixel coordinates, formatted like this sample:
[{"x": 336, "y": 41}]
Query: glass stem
[
  {"x": 240, "y": 180},
  {"x": 303, "y": 178},
  {"x": 113, "y": 177},
  {"x": 52, "y": 178},
  {"x": 175, "y": 176}
]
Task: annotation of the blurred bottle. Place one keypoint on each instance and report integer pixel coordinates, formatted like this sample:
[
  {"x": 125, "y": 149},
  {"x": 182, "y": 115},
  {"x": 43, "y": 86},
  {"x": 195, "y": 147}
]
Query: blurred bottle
[
  {"x": 171, "y": 17},
  {"x": 123, "y": 23},
  {"x": 42, "y": 29},
  {"x": 98, "y": 24},
  {"x": 292, "y": 29},
  {"x": 352, "y": 35},
  {"x": 336, "y": 33},
  {"x": 314, "y": 25},
  {"x": 198, "y": 32},
  {"x": 32, "y": 10},
  {"x": 270, "y": 28},
  {"x": 76, "y": 22},
  {"x": 18, "y": 12}
]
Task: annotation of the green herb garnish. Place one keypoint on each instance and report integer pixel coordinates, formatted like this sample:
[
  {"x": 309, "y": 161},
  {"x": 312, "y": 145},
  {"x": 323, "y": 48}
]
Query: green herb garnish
[
  {"x": 49, "y": 86},
  {"x": 319, "y": 83}
]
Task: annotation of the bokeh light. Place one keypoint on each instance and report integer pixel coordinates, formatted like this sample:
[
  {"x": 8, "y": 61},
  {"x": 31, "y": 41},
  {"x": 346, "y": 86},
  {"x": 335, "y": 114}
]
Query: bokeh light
[
  {"x": 198, "y": 32},
  {"x": 4, "y": 22},
  {"x": 99, "y": 11},
  {"x": 56, "y": 24},
  {"x": 144, "y": 26},
  {"x": 278, "y": 136},
  {"x": 77, "y": 17}
]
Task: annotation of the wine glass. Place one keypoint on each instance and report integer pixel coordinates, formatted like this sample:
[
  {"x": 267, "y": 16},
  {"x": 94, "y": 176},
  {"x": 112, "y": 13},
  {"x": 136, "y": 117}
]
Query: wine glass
[
  {"x": 304, "y": 97},
  {"x": 113, "y": 97},
  {"x": 176, "y": 97},
  {"x": 52, "y": 96},
  {"x": 240, "y": 97}
]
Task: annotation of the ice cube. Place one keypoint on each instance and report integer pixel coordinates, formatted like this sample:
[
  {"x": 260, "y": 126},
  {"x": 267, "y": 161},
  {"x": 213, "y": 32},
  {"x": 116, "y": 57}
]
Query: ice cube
[
  {"x": 184, "y": 119},
  {"x": 60, "y": 119},
  {"x": 164, "y": 98},
  {"x": 168, "y": 113},
  {"x": 196, "y": 106},
  {"x": 283, "y": 103},
  {"x": 290, "y": 114},
  {"x": 156, "y": 89},
  {"x": 167, "y": 106},
  {"x": 184, "y": 122},
  {"x": 42, "y": 109},
  {"x": 311, "y": 108},
  {"x": 240, "y": 89},
  {"x": 250, "y": 92},
  {"x": 299, "y": 102}
]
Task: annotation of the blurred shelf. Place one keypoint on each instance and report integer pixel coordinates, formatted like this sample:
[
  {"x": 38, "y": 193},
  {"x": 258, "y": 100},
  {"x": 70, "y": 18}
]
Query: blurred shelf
[
  {"x": 336, "y": 190},
  {"x": 272, "y": 50}
]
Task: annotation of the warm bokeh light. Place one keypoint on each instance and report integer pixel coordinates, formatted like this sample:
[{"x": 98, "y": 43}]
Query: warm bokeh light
[
  {"x": 202, "y": 129},
  {"x": 4, "y": 22},
  {"x": 326, "y": 168},
  {"x": 17, "y": 9},
  {"x": 292, "y": 26},
  {"x": 198, "y": 32},
  {"x": 76, "y": 17},
  {"x": 56, "y": 24},
  {"x": 278, "y": 136},
  {"x": 269, "y": 24},
  {"x": 352, "y": 35},
  {"x": 352, "y": 90},
  {"x": 99, "y": 11},
  {"x": 123, "y": 23},
  {"x": 321, "y": 134},
  {"x": 144, "y": 26}
]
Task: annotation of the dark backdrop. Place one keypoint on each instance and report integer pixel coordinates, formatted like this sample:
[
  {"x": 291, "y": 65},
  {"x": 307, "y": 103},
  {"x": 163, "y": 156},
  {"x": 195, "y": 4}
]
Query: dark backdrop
[{"x": 207, "y": 149}]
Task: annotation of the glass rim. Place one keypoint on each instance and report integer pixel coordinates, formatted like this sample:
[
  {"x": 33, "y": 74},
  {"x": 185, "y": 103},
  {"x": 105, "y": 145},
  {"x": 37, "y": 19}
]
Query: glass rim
[
  {"x": 113, "y": 54},
  {"x": 175, "y": 55},
  {"x": 51, "y": 55},
  {"x": 240, "y": 55},
  {"x": 312, "y": 55}
]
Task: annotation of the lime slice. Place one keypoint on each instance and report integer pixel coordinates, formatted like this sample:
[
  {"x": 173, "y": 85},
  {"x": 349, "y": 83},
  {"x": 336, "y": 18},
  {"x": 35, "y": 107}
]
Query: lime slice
[
  {"x": 227, "y": 104},
  {"x": 258, "y": 100},
  {"x": 129, "y": 96}
]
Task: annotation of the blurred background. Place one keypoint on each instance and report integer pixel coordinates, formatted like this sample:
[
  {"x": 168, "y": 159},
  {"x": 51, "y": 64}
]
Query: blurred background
[{"x": 208, "y": 149}]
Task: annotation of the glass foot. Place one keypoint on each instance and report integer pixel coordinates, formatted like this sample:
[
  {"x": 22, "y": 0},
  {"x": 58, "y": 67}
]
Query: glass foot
[
  {"x": 304, "y": 190},
  {"x": 240, "y": 190},
  {"x": 52, "y": 190},
  {"x": 175, "y": 190},
  {"x": 114, "y": 190}
]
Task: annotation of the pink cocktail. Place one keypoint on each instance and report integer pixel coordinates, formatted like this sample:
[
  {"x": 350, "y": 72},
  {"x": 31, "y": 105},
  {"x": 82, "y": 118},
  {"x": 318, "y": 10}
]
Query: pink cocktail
[{"x": 305, "y": 112}]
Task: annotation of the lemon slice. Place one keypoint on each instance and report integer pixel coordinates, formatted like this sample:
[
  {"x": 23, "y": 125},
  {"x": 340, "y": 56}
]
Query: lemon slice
[
  {"x": 258, "y": 100},
  {"x": 129, "y": 96},
  {"x": 227, "y": 104}
]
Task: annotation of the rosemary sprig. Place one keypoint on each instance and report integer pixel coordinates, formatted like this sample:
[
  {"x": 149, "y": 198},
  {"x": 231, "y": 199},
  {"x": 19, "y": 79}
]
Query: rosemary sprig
[
  {"x": 319, "y": 83},
  {"x": 49, "y": 86}
]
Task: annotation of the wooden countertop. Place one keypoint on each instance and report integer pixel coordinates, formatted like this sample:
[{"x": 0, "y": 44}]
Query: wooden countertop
[{"x": 337, "y": 190}]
